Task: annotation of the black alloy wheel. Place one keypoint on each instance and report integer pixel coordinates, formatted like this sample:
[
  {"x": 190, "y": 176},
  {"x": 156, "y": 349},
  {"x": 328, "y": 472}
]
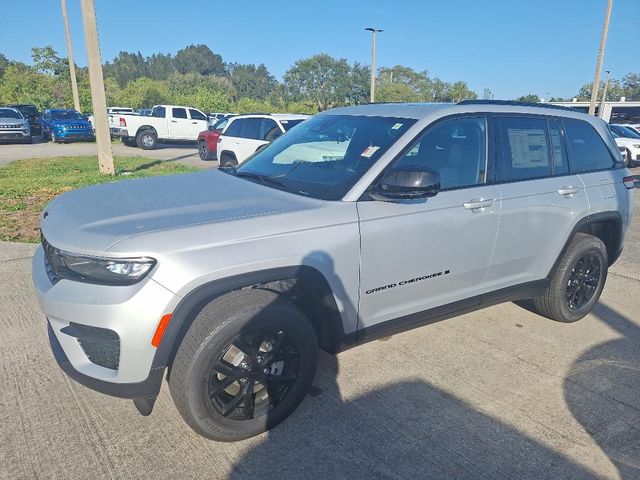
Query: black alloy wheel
[{"x": 583, "y": 281}]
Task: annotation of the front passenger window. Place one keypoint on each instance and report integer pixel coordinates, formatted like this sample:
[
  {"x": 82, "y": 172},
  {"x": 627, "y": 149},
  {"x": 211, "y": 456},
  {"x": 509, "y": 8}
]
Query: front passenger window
[{"x": 455, "y": 148}]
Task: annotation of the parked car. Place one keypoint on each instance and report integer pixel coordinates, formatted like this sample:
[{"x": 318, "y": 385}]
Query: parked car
[
  {"x": 245, "y": 134},
  {"x": 116, "y": 110},
  {"x": 65, "y": 125},
  {"x": 233, "y": 279},
  {"x": 207, "y": 142},
  {"x": 31, "y": 113},
  {"x": 632, "y": 126},
  {"x": 166, "y": 123},
  {"x": 628, "y": 140},
  {"x": 145, "y": 112},
  {"x": 215, "y": 116},
  {"x": 13, "y": 126}
]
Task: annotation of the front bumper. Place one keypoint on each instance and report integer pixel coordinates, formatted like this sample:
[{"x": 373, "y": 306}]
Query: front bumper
[
  {"x": 74, "y": 134},
  {"x": 130, "y": 312},
  {"x": 14, "y": 135}
]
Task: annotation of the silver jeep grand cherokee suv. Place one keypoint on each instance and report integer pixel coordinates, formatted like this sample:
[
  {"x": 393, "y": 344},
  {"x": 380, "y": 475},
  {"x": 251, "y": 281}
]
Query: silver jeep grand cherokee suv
[{"x": 359, "y": 222}]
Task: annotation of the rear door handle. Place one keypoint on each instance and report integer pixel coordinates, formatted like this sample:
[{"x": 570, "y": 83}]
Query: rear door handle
[
  {"x": 478, "y": 203},
  {"x": 567, "y": 191}
]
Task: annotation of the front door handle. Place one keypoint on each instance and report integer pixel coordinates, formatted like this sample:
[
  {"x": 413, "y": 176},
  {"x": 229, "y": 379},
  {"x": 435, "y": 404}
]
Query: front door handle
[
  {"x": 478, "y": 203},
  {"x": 174, "y": 121},
  {"x": 567, "y": 191}
]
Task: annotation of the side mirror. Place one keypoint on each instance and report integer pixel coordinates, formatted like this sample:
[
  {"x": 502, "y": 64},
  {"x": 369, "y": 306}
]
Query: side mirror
[{"x": 407, "y": 183}]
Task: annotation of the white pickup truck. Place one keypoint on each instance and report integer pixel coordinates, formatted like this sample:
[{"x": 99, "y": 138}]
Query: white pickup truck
[{"x": 166, "y": 123}]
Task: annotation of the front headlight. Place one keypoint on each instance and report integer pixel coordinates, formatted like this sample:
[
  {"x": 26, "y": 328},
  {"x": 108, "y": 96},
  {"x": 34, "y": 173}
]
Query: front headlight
[{"x": 105, "y": 271}]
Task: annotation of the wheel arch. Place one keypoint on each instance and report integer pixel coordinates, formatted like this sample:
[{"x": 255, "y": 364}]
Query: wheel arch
[
  {"x": 304, "y": 286},
  {"x": 607, "y": 226},
  {"x": 144, "y": 128}
]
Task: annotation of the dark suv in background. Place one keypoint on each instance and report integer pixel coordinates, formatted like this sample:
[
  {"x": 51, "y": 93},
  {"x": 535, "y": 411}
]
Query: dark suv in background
[{"x": 31, "y": 113}]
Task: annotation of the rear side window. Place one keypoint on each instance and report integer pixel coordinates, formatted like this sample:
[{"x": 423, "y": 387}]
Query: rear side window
[
  {"x": 558, "y": 150},
  {"x": 179, "y": 113},
  {"x": 588, "y": 150},
  {"x": 196, "y": 115},
  {"x": 524, "y": 149}
]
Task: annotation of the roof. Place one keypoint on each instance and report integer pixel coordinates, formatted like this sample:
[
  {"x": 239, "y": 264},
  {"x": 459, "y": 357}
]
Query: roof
[{"x": 421, "y": 111}]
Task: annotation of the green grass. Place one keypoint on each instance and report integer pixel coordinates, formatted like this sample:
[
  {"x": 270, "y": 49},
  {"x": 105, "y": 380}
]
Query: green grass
[{"x": 26, "y": 186}]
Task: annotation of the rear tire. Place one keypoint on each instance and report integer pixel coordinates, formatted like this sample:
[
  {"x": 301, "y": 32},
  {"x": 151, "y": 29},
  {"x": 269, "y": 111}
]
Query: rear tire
[
  {"x": 228, "y": 160},
  {"x": 147, "y": 139},
  {"x": 129, "y": 142},
  {"x": 578, "y": 281},
  {"x": 276, "y": 364}
]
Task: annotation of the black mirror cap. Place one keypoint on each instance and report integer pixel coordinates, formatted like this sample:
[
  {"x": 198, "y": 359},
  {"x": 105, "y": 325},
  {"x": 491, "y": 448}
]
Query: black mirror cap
[{"x": 407, "y": 183}]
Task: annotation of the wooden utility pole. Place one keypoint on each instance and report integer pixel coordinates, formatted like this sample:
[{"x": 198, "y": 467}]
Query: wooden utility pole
[
  {"x": 72, "y": 66},
  {"x": 603, "y": 42},
  {"x": 96, "y": 84},
  {"x": 373, "y": 62}
]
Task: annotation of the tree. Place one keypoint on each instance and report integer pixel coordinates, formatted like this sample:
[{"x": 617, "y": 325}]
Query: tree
[
  {"x": 417, "y": 85},
  {"x": 252, "y": 81},
  {"x": 529, "y": 98},
  {"x": 4, "y": 63},
  {"x": 208, "y": 93},
  {"x": 321, "y": 81},
  {"x": 46, "y": 60},
  {"x": 460, "y": 91},
  {"x": 631, "y": 86},
  {"x": 396, "y": 92},
  {"x": 199, "y": 59},
  {"x": 160, "y": 66},
  {"x": 126, "y": 67}
]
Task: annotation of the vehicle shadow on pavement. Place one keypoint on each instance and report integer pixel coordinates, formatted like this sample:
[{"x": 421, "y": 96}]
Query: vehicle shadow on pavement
[
  {"x": 602, "y": 391},
  {"x": 408, "y": 429}
]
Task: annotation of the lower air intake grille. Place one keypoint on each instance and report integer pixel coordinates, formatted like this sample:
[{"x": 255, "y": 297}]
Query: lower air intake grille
[{"x": 100, "y": 345}]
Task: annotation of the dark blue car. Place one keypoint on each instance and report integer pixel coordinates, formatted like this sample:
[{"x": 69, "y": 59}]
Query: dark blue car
[{"x": 65, "y": 125}]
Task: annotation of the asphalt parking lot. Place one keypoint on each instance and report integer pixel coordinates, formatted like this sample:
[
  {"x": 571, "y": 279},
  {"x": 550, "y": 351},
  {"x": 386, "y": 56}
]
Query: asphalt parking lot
[
  {"x": 184, "y": 153},
  {"x": 499, "y": 393}
]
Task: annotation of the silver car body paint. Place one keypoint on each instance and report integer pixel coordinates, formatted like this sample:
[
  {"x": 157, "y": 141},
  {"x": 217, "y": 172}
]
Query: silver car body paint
[{"x": 208, "y": 226}]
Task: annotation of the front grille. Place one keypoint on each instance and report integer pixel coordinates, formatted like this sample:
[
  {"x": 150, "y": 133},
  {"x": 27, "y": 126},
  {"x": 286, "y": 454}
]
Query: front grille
[
  {"x": 10, "y": 125},
  {"x": 100, "y": 345},
  {"x": 50, "y": 264}
]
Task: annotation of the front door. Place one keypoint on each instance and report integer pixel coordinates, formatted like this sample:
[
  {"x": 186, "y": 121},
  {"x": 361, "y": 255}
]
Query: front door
[
  {"x": 421, "y": 254},
  {"x": 180, "y": 125}
]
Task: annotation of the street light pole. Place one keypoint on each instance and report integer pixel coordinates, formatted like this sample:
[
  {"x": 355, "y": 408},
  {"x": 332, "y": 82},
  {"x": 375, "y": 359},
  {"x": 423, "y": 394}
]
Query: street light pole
[
  {"x": 72, "y": 66},
  {"x": 604, "y": 95},
  {"x": 603, "y": 42},
  {"x": 373, "y": 62},
  {"x": 96, "y": 84}
]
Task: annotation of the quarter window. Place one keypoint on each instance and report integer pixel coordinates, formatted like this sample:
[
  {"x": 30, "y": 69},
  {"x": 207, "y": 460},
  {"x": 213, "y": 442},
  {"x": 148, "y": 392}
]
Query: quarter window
[
  {"x": 269, "y": 130},
  {"x": 588, "y": 150},
  {"x": 524, "y": 150},
  {"x": 455, "y": 148}
]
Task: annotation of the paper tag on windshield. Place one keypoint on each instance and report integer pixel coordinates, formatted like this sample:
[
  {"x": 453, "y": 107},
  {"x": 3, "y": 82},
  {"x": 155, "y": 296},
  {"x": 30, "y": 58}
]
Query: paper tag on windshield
[
  {"x": 369, "y": 151},
  {"x": 396, "y": 126}
]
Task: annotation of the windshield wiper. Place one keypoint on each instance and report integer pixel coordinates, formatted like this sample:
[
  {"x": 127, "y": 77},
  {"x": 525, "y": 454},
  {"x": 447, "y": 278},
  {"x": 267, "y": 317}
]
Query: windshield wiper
[{"x": 258, "y": 176}]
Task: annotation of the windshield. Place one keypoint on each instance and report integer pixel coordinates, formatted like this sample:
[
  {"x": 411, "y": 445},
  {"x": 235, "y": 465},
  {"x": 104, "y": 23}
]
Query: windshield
[
  {"x": 324, "y": 156},
  {"x": 9, "y": 113},
  {"x": 628, "y": 132},
  {"x": 28, "y": 110},
  {"x": 66, "y": 115}
]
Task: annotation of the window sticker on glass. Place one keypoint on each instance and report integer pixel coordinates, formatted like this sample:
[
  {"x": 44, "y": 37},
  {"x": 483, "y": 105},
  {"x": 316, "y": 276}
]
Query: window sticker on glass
[
  {"x": 396, "y": 126},
  {"x": 369, "y": 151}
]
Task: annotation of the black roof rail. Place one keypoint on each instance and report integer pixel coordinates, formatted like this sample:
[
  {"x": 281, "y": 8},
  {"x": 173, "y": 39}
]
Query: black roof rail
[{"x": 514, "y": 103}]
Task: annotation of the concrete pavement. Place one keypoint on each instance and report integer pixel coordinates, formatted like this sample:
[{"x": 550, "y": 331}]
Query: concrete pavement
[
  {"x": 499, "y": 393},
  {"x": 185, "y": 153}
]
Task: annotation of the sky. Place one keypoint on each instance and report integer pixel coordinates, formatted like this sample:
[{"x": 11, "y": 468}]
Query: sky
[{"x": 512, "y": 47}]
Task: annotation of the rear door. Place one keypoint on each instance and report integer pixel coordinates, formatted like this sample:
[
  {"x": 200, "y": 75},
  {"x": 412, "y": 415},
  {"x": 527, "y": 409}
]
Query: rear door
[
  {"x": 180, "y": 124},
  {"x": 248, "y": 140},
  {"x": 541, "y": 199}
]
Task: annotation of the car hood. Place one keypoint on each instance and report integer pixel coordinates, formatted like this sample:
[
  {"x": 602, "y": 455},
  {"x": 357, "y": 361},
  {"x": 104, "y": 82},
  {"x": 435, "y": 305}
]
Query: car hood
[
  {"x": 92, "y": 219},
  {"x": 627, "y": 142},
  {"x": 13, "y": 121},
  {"x": 67, "y": 123}
]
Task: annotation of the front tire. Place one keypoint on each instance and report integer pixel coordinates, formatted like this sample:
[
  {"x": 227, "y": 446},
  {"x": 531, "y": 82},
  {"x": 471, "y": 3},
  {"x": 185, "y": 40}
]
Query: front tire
[
  {"x": 577, "y": 283},
  {"x": 147, "y": 139},
  {"x": 203, "y": 150},
  {"x": 244, "y": 365},
  {"x": 54, "y": 137}
]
